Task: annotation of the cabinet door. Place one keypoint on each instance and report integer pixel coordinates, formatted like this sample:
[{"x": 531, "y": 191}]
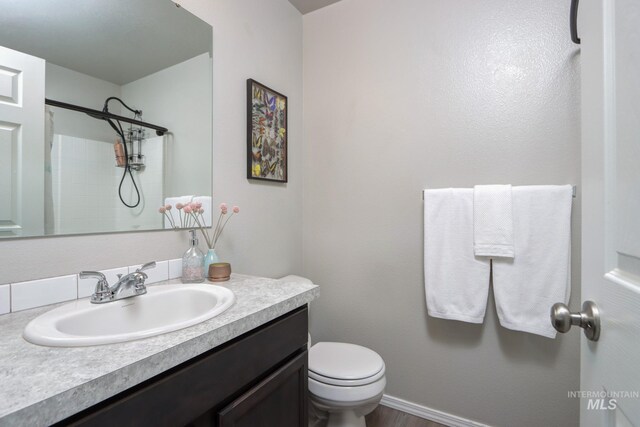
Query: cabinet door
[{"x": 279, "y": 400}]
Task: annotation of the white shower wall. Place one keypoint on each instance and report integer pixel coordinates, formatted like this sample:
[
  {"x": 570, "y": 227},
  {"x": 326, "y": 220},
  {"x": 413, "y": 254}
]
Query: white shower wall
[{"x": 85, "y": 184}]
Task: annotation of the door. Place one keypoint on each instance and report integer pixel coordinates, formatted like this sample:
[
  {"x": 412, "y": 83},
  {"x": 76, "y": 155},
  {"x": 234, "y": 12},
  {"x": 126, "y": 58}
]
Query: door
[
  {"x": 22, "y": 81},
  {"x": 610, "y": 57}
]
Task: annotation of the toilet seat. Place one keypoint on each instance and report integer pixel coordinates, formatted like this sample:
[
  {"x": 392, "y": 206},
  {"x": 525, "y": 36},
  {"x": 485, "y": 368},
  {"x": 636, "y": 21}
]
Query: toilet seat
[
  {"x": 347, "y": 396},
  {"x": 347, "y": 383},
  {"x": 344, "y": 364}
]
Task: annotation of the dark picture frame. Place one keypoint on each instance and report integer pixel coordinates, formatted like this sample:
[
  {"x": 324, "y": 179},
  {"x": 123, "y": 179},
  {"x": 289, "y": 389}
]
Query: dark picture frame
[{"x": 267, "y": 133}]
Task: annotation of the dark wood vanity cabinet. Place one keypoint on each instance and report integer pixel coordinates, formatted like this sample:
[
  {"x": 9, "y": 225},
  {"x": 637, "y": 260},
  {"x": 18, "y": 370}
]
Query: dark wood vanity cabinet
[{"x": 257, "y": 380}]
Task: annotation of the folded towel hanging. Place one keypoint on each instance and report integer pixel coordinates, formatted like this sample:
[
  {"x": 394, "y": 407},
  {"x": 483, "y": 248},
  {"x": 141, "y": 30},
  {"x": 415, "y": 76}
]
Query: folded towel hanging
[
  {"x": 456, "y": 282},
  {"x": 574, "y": 190},
  {"x": 526, "y": 286},
  {"x": 492, "y": 221}
]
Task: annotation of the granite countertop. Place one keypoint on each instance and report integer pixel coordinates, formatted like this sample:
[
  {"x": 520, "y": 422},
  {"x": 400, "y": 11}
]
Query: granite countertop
[{"x": 42, "y": 385}]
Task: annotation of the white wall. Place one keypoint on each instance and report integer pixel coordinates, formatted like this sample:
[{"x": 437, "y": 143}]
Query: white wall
[
  {"x": 85, "y": 187},
  {"x": 261, "y": 39},
  {"x": 85, "y": 178},
  {"x": 176, "y": 99},
  {"x": 408, "y": 94},
  {"x": 63, "y": 84}
]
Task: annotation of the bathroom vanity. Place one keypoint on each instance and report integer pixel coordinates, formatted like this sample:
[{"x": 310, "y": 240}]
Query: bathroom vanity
[{"x": 245, "y": 367}]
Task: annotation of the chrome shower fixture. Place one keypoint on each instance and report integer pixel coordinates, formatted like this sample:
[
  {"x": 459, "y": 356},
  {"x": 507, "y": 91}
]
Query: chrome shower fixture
[{"x": 135, "y": 136}]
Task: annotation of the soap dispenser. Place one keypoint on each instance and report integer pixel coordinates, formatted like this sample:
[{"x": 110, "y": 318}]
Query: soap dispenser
[{"x": 193, "y": 262}]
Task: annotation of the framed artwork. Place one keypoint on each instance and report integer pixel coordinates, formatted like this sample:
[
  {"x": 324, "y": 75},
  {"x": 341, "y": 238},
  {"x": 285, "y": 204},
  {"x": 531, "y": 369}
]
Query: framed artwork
[{"x": 267, "y": 137}]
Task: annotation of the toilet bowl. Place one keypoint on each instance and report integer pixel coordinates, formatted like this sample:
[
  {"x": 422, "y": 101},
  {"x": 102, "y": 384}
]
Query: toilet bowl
[{"x": 346, "y": 381}]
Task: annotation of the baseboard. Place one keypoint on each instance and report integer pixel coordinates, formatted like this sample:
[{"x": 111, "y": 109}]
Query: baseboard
[{"x": 428, "y": 413}]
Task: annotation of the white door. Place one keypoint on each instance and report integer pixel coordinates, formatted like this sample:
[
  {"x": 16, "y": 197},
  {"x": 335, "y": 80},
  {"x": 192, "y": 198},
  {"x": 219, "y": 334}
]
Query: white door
[
  {"x": 22, "y": 81},
  {"x": 610, "y": 57}
]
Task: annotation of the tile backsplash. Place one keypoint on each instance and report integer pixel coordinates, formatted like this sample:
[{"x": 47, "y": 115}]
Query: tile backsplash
[
  {"x": 36, "y": 293},
  {"x": 25, "y": 295},
  {"x": 5, "y": 299}
]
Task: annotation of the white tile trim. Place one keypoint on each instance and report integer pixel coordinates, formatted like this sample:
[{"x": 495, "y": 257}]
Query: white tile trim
[
  {"x": 60, "y": 289},
  {"x": 37, "y": 293},
  {"x": 5, "y": 299},
  {"x": 428, "y": 413},
  {"x": 175, "y": 268}
]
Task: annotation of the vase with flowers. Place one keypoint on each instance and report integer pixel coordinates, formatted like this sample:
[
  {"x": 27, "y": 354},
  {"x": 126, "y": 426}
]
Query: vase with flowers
[{"x": 191, "y": 215}]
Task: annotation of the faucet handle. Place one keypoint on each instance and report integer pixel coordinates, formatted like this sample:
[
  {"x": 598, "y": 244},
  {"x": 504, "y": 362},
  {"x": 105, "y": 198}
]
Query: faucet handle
[
  {"x": 90, "y": 274},
  {"x": 147, "y": 266},
  {"x": 102, "y": 287}
]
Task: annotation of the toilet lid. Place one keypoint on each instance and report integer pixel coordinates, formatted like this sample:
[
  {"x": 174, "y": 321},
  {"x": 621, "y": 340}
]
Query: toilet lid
[{"x": 344, "y": 364}]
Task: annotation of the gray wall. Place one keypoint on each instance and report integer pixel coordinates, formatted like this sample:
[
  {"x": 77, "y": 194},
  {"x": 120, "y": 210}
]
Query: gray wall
[
  {"x": 408, "y": 94},
  {"x": 261, "y": 39}
]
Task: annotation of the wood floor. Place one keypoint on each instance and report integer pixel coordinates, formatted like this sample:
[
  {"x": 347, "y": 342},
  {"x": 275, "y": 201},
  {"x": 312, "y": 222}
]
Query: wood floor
[{"x": 387, "y": 417}]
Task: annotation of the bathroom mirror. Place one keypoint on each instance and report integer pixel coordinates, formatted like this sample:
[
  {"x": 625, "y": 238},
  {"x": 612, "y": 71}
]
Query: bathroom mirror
[{"x": 105, "y": 116}]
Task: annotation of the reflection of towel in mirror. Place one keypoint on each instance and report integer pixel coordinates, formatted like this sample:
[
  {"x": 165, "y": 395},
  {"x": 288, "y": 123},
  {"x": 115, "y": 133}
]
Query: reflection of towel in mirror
[
  {"x": 48, "y": 179},
  {"x": 174, "y": 213},
  {"x": 206, "y": 205}
]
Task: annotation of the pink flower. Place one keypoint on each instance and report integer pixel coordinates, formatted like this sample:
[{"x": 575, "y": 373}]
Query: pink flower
[
  {"x": 224, "y": 210},
  {"x": 236, "y": 209},
  {"x": 198, "y": 205},
  {"x": 162, "y": 209},
  {"x": 187, "y": 209},
  {"x": 223, "y": 206},
  {"x": 168, "y": 207},
  {"x": 179, "y": 206}
]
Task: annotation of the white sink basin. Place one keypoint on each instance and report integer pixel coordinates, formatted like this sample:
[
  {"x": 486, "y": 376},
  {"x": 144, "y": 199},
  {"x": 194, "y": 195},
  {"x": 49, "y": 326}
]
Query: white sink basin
[{"x": 164, "y": 308}]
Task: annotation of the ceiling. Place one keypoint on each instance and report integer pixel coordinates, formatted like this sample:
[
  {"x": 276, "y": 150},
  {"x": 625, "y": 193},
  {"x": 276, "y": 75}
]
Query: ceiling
[
  {"x": 306, "y": 6},
  {"x": 118, "y": 41}
]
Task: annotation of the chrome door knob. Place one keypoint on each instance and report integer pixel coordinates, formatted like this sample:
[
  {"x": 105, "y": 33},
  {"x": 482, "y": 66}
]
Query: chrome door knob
[{"x": 588, "y": 319}]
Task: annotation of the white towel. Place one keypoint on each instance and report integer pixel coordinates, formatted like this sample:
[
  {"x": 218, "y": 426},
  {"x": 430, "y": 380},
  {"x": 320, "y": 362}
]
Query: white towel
[
  {"x": 206, "y": 205},
  {"x": 527, "y": 286},
  {"x": 174, "y": 213},
  {"x": 456, "y": 282},
  {"x": 492, "y": 221}
]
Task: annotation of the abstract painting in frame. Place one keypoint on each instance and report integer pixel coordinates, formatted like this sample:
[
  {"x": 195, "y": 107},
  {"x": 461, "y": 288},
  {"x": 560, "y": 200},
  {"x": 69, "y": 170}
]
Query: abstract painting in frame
[{"x": 267, "y": 136}]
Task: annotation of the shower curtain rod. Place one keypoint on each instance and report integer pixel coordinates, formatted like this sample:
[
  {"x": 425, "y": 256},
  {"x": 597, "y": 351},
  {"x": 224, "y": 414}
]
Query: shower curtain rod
[{"x": 97, "y": 114}]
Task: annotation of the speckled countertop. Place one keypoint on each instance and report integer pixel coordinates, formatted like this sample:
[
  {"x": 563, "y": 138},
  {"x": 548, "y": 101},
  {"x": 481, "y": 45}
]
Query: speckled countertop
[{"x": 43, "y": 385}]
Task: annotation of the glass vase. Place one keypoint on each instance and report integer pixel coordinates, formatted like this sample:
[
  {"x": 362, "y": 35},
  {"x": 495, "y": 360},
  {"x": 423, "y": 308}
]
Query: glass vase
[{"x": 210, "y": 258}]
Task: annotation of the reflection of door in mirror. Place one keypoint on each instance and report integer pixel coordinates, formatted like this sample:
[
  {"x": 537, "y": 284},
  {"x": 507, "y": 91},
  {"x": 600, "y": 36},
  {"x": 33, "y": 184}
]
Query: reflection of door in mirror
[{"x": 21, "y": 144}]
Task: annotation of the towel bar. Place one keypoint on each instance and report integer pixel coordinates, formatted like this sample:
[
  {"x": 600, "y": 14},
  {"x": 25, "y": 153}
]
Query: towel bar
[{"x": 573, "y": 192}]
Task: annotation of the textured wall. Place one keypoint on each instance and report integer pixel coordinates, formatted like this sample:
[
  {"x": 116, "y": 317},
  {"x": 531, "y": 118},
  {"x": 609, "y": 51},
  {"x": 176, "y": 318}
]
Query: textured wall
[
  {"x": 261, "y": 39},
  {"x": 408, "y": 94}
]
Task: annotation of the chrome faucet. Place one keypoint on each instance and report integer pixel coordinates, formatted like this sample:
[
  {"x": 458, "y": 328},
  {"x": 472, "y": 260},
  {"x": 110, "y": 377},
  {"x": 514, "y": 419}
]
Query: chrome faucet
[{"x": 127, "y": 286}]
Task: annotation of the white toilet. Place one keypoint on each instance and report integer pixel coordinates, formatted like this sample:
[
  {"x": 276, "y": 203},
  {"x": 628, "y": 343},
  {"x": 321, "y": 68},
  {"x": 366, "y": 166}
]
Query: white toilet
[{"x": 346, "y": 381}]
